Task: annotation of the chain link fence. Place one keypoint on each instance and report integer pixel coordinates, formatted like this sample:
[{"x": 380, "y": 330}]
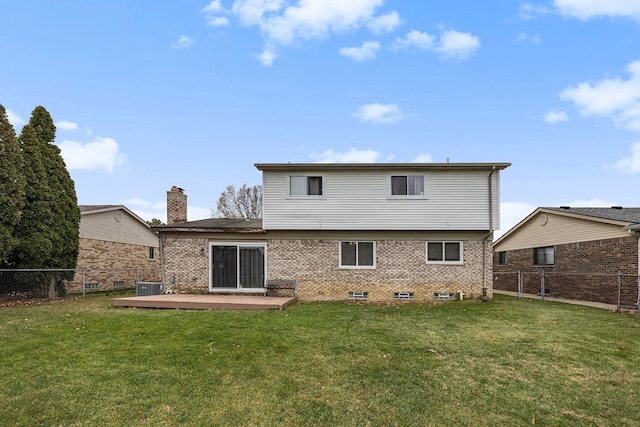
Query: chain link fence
[
  {"x": 618, "y": 290},
  {"x": 48, "y": 284}
]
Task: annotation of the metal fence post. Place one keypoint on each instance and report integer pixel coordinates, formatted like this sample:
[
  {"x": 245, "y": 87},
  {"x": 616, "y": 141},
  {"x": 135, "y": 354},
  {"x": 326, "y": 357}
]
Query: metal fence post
[
  {"x": 542, "y": 286},
  {"x": 519, "y": 284},
  {"x": 619, "y": 289},
  {"x": 83, "y": 291}
]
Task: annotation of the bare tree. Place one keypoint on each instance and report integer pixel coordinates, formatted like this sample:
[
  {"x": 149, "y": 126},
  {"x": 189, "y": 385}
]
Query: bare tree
[{"x": 244, "y": 203}]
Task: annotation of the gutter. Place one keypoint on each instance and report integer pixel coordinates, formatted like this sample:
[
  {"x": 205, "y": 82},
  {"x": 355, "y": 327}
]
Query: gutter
[{"x": 487, "y": 237}]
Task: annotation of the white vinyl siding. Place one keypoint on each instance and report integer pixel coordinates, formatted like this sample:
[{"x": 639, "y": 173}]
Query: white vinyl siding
[{"x": 359, "y": 200}]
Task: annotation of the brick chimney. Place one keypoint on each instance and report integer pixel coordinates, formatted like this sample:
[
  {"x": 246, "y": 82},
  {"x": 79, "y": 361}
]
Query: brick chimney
[{"x": 176, "y": 206}]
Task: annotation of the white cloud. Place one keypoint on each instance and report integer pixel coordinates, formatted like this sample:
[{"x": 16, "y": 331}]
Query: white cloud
[
  {"x": 450, "y": 43},
  {"x": 586, "y": 9},
  {"x": 414, "y": 40},
  {"x": 218, "y": 21},
  {"x": 456, "y": 44},
  {"x": 64, "y": 125},
  {"x": 385, "y": 23},
  {"x": 183, "y": 42},
  {"x": 379, "y": 113},
  {"x": 630, "y": 164},
  {"x": 592, "y": 203},
  {"x": 556, "y": 116},
  {"x": 214, "y": 7},
  {"x": 524, "y": 37},
  {"x": 351, "y": 156},
  {"x": 101, "y": 153},
  {"x": 366, "y": 51},
  {"x": 14, "y": 119},
  {"x": 615, "y": 98},
  {"x": 530, "y": 11},
  {"x": 266, "y": 58},
  {"x": 422, "y": 158},
  {"x": 283, "y": 24}
]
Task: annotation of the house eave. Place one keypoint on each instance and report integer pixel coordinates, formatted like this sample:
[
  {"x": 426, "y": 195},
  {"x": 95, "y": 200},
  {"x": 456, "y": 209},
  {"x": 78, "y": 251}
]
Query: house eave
[{"x": 311, "y": 167}]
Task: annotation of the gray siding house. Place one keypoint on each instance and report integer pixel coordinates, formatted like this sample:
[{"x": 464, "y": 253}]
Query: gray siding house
[{"x": 377, "y": 232}]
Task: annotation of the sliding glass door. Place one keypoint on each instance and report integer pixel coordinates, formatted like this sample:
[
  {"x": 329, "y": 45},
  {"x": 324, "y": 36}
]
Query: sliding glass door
[{"x": 237, "y": 266}]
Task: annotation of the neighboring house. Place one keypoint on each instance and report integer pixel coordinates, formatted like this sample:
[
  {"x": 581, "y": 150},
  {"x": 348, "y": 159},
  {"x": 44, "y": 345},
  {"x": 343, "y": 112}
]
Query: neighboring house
[
  {"x": 117, "y": 248},
  {"x": 377, "y": 232},
  {"x": 581, "y": 251}
]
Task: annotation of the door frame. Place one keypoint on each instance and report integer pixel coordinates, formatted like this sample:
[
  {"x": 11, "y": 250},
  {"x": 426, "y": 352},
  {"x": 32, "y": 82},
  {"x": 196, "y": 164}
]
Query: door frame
[{"x": 238, "y": 245}]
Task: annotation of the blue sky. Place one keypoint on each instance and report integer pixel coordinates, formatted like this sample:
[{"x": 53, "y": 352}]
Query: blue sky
[{"x": 147, "y": 95}]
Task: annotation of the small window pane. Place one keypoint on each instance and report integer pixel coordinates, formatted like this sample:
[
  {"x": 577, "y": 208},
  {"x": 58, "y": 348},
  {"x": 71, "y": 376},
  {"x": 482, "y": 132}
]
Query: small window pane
[
  {"x": 452, "y": 251},
  {"x": 348, "y": 253},
  {"x": 365, "y": 253},
  {"x": 315, "y": 186},
  {"x": 399, "y": 185},
  {"x": 502, "y": 258},
  {"x": 415, "y": 185},
  {"x": 434, "y": 251},
  {"x": 298, "y": 185}
]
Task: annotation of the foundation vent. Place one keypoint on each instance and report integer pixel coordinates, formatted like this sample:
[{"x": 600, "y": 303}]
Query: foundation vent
[
  {"x": 403, "y": 295},
  {"x": 358, "y": 295},
  {"x": 444, "y": 296}
]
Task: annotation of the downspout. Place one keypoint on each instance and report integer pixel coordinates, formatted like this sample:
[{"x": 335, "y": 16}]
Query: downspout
[{"x": 487, "y": 237}]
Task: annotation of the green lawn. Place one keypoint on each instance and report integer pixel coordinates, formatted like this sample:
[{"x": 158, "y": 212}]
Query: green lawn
[{"x": 501, "y": 363}]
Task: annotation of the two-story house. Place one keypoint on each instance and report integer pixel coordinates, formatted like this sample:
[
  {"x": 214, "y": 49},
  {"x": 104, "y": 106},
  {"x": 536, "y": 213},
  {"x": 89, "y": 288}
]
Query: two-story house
[{"x": 375, "y": 231}]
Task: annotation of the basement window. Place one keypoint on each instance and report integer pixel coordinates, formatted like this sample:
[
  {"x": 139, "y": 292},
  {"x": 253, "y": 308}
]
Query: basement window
[
  {"x": 444, "y": 296},
  {"x": 358, "y": 295},
  {"x": 94, "y": 286},
  {"x": 403, "y": 295},
  {"x": 118, "y": 285}
]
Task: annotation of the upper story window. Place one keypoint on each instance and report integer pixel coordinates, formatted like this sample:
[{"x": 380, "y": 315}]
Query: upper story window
[
  {"x": 303, "y": 185},
  {"x": 409, "y": 185},
  {"x": 444, "y": 252},
  {"x": 544, "y": 256},
  {"x": 357, "y": 254}
]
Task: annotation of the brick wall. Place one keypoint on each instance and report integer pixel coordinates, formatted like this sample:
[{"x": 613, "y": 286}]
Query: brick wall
[
  {"x": 108, "y": 262},
  {"x": 187, "y": 261},
  {"x": 314, "y": 264},
  {"x": 585, "y": 271}
]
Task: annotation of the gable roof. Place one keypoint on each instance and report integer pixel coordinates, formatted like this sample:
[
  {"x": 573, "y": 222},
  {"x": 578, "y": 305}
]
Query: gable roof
[
  {"x": 93, "y": 209},
  {"x": 626, "y": 218}
]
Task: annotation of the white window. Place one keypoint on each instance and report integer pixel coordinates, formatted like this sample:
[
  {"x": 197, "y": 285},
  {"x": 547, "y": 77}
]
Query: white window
[
  {"x": 408, "y": 186},
  {"x": 303, "y": 185},
  {"x": 444, "y": 253},
  {"x": 357, "y": 254}
]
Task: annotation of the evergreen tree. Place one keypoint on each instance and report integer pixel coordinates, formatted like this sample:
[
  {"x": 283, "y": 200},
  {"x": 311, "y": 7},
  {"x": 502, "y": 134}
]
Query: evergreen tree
[
  {"x": 12, "y": 186},
  {"x": 64, "y": 205},
  {"x": 48, "y": 229}
]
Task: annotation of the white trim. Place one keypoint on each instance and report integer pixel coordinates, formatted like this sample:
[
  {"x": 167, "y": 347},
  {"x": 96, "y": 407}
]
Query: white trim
[
  {"x": 356, "y": 267},
  {"x": 407, "y": 196},
  {"x": 426, "y": 248},
  {"x": 238, "y": 245},
  {"x": 306, "y": 196}
]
